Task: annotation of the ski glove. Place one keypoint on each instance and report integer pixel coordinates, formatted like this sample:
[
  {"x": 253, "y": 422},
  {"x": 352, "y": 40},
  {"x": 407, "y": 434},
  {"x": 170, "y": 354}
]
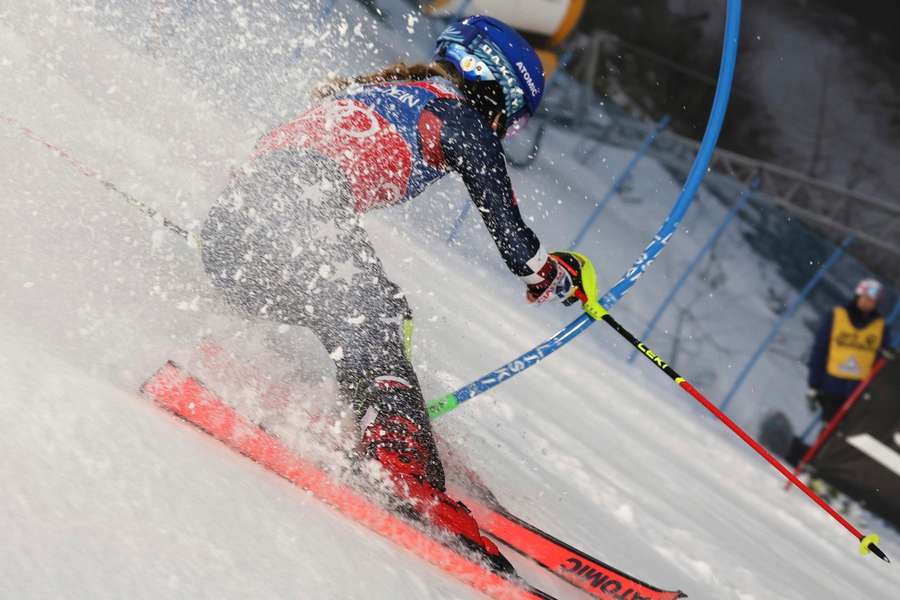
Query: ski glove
[{"x": 561, "y": 280}]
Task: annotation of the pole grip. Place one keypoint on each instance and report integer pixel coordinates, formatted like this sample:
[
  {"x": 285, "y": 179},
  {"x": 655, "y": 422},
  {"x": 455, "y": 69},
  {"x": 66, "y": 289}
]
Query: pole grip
[{"x": 441, "y": 406}]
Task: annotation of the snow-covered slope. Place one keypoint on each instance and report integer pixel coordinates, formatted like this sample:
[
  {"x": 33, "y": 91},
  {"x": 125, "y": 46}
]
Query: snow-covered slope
[{"x": 105, "y": 496}]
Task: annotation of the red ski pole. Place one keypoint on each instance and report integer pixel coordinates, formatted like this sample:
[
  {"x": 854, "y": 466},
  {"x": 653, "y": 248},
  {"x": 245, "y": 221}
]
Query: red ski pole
[
  {"x": 867, "y": 543},
  {"x": 838, "y": 417}
]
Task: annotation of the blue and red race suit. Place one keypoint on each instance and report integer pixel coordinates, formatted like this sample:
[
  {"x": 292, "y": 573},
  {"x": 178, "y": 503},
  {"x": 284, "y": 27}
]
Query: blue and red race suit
[
  {"x": 392, "y": 140},
  {"x": 283, "y": 243}
]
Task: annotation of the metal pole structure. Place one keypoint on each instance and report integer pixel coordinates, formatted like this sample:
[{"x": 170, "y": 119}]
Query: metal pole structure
[
  {"x": 619, "y": 180},
  {"x": 742, "y": 201},
  {"x": 817, "y": 418},
  {"x": 810, "y": 285}
]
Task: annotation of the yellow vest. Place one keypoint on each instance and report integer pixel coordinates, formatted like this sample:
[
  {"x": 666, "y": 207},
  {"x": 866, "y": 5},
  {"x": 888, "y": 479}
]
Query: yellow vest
[{"x": 852, "y": 351}]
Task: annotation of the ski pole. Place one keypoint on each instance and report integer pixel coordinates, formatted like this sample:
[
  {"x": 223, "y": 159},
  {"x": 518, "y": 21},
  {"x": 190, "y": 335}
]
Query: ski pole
[
  {"x": 838, "y": 417},
  {"x": 867, "y": 542},
  {"x": 191, "y": 238}
]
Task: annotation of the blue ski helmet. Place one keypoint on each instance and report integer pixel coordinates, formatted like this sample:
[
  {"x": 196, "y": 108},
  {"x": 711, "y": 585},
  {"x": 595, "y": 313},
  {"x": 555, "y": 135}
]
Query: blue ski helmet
[{"x": 485, "y": 49}]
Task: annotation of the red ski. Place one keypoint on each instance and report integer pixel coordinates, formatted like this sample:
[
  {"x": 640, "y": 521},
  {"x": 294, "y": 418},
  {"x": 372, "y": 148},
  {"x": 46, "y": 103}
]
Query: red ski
[
  {"x": 574, "y": 566},
  {"x": 185, "y": 396}
]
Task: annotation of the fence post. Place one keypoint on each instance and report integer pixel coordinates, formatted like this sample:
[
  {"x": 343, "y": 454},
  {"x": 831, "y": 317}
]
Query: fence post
[
  {"x": 619, "y": 180},
  {"x": 745, "y": 197},
  {"x": 810, "y": 285},
  {"x": 817, "y": 418}
]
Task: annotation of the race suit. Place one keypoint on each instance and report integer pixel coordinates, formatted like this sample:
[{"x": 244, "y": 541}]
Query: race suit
[{"x": 284, "y": 242}]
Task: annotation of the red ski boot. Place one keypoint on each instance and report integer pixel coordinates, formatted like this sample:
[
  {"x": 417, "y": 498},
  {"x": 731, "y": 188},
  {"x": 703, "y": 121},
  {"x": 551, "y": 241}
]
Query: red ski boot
[{"x": 395, "y": 442}]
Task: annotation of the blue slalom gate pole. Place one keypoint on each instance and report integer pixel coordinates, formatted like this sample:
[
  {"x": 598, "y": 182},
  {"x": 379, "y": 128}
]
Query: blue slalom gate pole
[
  {"x": 810, "y": 285},
  {"x": 442, "y": 405},
  {"x": 742, "y": 201},
  {"x": 620, "y": 179},
  {"x": 817, "y": 418}
]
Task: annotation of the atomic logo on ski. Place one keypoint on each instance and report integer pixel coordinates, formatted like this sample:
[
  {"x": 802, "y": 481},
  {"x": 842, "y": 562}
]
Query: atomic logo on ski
[
  {"x": 576, "y": 567},
  {"x": 602, "y": 581}
]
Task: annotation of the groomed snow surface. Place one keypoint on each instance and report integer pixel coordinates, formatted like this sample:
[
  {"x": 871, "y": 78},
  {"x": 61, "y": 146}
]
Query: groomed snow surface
[{"x": 105, "y": 496}]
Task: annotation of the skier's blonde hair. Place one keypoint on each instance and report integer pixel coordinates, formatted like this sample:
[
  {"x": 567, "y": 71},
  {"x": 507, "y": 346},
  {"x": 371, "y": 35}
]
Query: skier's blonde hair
[{"x": 397, "y": 72}]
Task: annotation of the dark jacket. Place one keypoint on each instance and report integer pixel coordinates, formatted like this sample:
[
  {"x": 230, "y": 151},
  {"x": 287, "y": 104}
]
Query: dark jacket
[{"x": 818, "y": 377}]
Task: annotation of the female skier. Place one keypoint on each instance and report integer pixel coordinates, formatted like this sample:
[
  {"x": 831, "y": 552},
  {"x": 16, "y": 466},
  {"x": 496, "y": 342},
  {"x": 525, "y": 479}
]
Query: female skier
[{"x": 284, "y": 240}]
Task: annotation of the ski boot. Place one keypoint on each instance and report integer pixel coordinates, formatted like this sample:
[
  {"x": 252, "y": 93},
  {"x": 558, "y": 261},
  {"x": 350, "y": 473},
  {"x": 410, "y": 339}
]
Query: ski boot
[{"x": 396, "y": 443}]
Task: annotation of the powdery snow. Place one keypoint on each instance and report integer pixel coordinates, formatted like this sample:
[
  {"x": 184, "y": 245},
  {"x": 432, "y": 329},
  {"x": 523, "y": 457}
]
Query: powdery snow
[{"x": 106, "y": 496}]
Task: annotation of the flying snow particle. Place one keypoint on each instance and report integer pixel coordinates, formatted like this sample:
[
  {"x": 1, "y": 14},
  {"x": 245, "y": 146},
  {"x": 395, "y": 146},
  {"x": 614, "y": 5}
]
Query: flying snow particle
[
  {"x": 157, "y": 239},
  {"x": 411, "y": 21},
  {"x": 192, "y": 306},
  {"x": 625, "y": 514}
]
